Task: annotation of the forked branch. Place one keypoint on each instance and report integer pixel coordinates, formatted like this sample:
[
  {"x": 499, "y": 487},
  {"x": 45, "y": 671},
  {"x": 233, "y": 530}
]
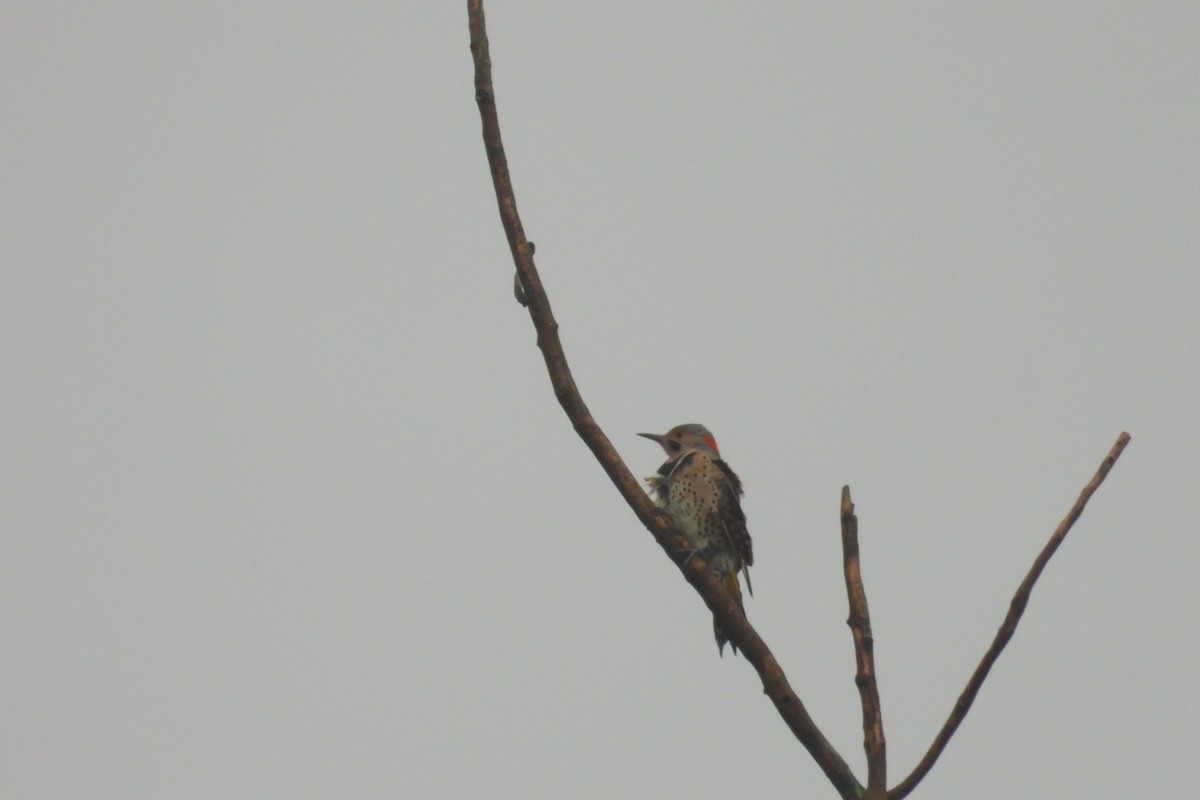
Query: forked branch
[{"x": 733, "y": 622}]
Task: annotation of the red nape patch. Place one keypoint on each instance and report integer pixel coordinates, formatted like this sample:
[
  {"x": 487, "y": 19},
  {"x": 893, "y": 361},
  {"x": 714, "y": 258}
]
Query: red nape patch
[{"x": 710, "y": 441}]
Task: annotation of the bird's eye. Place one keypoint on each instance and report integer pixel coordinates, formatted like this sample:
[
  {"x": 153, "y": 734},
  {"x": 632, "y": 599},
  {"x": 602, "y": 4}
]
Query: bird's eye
[{"x": 674, "y": 446}]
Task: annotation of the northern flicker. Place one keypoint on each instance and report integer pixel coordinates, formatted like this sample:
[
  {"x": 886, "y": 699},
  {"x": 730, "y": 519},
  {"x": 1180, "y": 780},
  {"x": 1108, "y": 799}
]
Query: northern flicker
[{"x": 701, "y": 493}]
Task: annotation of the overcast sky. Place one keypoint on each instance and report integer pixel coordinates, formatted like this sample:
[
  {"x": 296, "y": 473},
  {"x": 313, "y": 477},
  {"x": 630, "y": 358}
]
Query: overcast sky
[{"x": 288, "y": 509}]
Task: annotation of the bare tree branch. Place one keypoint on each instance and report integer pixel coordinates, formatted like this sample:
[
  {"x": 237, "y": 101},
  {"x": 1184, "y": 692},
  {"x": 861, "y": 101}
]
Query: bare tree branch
[
  {"x": 859, "y": 621},
  {"x": 733, "y": 622},
  {"x": 530, "y": 293},
  {"x": 1015, "y": 609}
]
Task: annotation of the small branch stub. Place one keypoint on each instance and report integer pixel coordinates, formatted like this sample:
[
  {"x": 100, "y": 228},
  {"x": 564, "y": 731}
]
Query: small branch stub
[{"x": 859, "y": 621}]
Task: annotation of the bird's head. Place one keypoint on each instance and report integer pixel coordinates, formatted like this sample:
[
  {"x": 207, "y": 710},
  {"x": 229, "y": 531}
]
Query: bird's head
[{"x": 685, "y": 439}]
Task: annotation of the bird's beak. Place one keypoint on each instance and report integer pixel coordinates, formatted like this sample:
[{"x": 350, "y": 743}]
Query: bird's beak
[{"x": 656, "y": 437}]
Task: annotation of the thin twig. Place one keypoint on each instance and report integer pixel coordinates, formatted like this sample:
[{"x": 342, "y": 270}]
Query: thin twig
[
  {"x": 859, "y": 621},
  {"x": 733, "y": 622},
  {"x": 1015, "y": 610}
]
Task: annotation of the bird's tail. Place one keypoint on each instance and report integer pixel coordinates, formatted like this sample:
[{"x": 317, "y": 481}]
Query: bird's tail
[{"x": 730, "y": 581}]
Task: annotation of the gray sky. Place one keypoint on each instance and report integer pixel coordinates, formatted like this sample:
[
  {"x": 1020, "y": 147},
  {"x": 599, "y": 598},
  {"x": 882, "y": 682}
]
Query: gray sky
[{"x": 288, "y": 507}]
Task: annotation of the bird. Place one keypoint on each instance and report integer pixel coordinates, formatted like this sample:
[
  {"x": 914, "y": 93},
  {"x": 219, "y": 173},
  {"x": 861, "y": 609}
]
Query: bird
[{"x": 702, "y": 495}]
